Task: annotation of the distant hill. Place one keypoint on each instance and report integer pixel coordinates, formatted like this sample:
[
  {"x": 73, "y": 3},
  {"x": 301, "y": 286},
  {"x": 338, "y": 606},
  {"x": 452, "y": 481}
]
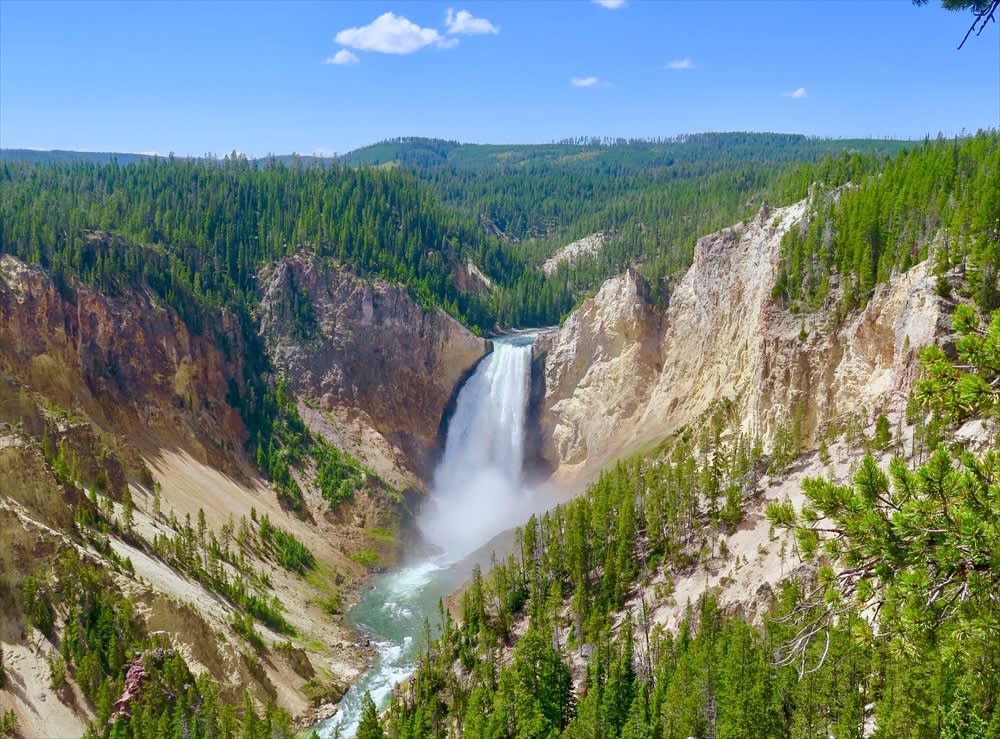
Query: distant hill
[
  {"x": 61, "y": 155},
  {"x": 103, "y": 157},
  {"x": 635, "y": 154}
]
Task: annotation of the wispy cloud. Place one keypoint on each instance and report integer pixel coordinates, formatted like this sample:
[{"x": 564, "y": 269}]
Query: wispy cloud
[
  {"x": 585, "y": 81},
  {"x": 391, "y": 34},
  {"x": 343, "y": 57},
  {"x": 684, "y": 63},
  {"x": 610, "y": 4},
  {"x": 463, "y": 22},
  {"x": 796, "y": 94}
]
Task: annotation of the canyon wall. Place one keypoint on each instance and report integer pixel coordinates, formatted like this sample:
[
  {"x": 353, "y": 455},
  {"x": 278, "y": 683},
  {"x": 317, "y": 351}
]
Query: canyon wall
[
  {"x": 621, "y": 372},
  {"x": 378, "y": 369},
  {"x": 125, "y": 361}
]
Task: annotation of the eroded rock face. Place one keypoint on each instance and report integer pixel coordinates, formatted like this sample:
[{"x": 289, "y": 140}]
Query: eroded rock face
[
  {"x": 621, "y": 373},
  {"x": 131, "y": 364},
  {"x": 598, "y": 369},
  {"x": 370, "y": 352}
]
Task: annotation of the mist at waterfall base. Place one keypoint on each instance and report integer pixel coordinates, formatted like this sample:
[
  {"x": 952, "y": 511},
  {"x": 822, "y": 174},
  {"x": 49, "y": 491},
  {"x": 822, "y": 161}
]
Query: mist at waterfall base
[{"x": 477, "y": 492}]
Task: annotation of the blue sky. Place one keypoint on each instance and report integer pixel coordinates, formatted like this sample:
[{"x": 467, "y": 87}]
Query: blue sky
[{"x": 197, "y": 78}]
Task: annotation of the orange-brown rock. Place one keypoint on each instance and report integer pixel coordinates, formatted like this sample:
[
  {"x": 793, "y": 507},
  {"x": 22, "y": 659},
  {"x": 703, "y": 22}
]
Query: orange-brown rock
[
  {"x": 365, "y": 349},
  {"x": 127, "y": 362}
]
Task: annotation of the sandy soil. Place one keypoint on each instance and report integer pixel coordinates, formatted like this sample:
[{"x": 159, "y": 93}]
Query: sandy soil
[{"x": 41, "y": 711}]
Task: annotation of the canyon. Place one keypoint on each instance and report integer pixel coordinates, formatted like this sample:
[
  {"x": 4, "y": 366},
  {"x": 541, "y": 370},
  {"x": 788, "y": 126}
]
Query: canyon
[{"x": 145, "y": 405}]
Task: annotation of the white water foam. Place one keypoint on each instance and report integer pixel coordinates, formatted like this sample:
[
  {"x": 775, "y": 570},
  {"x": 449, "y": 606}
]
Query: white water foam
[
  {"x": 478, "y": 492},
  {"x": 478, "y": 488}
]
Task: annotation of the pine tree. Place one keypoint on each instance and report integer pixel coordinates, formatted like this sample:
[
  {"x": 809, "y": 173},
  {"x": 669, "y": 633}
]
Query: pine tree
[{"x": 369, "y": 728}]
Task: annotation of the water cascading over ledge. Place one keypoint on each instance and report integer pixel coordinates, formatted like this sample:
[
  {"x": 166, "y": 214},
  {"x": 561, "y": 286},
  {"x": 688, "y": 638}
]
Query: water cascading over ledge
[
  {"x": 478, "y": 486},
  {"x": 478, "y": 492}
]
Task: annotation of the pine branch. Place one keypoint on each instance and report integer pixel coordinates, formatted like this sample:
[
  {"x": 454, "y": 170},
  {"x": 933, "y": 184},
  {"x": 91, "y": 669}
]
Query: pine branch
[{"x": 986, "y": 16}]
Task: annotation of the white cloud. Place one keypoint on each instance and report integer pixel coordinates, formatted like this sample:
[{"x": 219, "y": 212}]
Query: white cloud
[
  {"x": 684, "y": 63},
  {"x": 610, "y": 4},
  {"x": 343, "y": 57},
  {"x": 390, "y": 34},
  {"x": 796, "y": 94},
  {"x": 583, "y": 81},
  {"x": 464, "y": 22}
]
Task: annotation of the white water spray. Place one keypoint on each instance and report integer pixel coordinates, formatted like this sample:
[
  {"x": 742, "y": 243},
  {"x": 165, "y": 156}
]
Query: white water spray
[{"x": 478, "y": 490}]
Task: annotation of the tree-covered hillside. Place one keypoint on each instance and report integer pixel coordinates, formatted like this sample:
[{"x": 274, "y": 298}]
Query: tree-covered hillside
[
  {"x": 200, "y": 229},
  {"x": 652, "y": 198},
  {"x": 891, "y": 626},
  {"x": 942, "y": 198}
]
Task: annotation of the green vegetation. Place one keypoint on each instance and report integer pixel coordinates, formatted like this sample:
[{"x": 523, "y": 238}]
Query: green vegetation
[
  {"x": 8, "y": 724},
  {"x": 654, "y": 198},
  {"x": 291, "y": 553},
  {"x": 904, "y": 632},
  {"x": 920, "y": 546},
  {"x": 369, "y": 727},
  {"x": 209, "y": 559},
  {"x": 290, "y": 444},
  {"x": 942, "y": 198},
  {"x": 366, "y": 557},
  {"x": 196, "y": 231},
  {"x": 103, "y": 639}
]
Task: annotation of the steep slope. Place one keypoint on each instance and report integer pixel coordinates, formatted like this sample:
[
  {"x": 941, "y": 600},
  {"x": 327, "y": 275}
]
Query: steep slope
[
  {"x": 127, "y": 362},
  {"x": 121, "y": 449},
  {"x": 621, "y": 373},
  {"x": 367, "y": 355}
]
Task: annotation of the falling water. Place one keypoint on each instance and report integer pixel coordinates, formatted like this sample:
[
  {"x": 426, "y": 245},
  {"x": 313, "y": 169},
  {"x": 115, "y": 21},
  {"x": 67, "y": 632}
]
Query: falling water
[
  {"x": 478, "y": 492},
  {"x": 477, "y": 489}
]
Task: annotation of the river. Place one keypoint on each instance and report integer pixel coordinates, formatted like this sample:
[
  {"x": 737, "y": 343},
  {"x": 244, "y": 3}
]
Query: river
[{"x": 478, "y": 491}]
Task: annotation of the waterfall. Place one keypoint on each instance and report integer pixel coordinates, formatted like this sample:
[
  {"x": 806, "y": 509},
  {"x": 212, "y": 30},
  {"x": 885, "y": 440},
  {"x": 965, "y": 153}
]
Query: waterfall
[
  {"x": 477, "y": 490},
  {"x": 477, "y": 493}
]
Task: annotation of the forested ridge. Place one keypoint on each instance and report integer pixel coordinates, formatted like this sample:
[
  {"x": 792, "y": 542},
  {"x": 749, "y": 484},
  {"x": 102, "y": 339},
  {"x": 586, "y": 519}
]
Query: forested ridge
[
  {"x": 202, "y": 228},
  {"x": 197, "y": 230},
  {"x": 942, "y": 198},
  {"x": 653, "y": 198}
]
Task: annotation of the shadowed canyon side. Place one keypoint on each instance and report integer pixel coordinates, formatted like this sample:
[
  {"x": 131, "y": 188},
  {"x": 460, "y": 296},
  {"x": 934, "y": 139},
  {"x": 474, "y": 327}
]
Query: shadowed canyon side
[
  {"x": 127, "y": 362},
  {"x": 119, "y": 395},
  {"x": 621, "y": 373},
  {"x": 378, "y": 369}
]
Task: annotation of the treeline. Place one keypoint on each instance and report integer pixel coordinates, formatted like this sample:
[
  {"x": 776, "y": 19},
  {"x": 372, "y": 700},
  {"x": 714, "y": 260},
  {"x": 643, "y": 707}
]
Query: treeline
[
  {"x": 941, "y": 198},
  {"x": 652, "y": 198},
  {"x": 901, "y": 636},
  {"x": 200, "y": 229}
]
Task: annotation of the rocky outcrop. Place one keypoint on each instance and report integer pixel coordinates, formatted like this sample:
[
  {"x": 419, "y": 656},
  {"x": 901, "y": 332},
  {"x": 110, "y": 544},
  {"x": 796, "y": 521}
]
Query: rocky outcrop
[
  {"x": 134, "y": 679},
  {"x": 620, "y": 372},
  {"x": 468, "y": 278},
  {"x": 599, "y": 367},
  {"x": 364, "y": 350},
  {"x": 126, "y": 362},
  {"x": 585, "y": 247}
]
